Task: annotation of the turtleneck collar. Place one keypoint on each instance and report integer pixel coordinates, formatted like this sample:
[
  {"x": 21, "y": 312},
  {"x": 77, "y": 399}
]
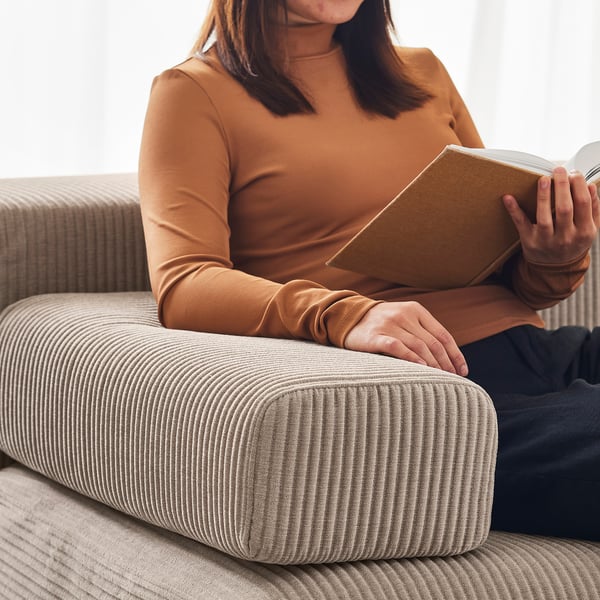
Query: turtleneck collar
[{"x": 309, "y": 41}]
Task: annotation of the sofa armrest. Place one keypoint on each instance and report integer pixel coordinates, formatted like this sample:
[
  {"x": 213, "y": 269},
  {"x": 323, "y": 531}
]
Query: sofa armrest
[
  {"x": 70, "y": 234},
  {"x": 583, "y": 307},
  {"x": 271, "y": 450}
]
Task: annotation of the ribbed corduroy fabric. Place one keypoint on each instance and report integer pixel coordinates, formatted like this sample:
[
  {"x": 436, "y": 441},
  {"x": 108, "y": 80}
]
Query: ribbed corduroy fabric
[
  {"x": 70, "y": 234},
  {"x": 56, "y": 544},
  {"x": 272, "y": 450},
  {"x": 92, "y": 225}
]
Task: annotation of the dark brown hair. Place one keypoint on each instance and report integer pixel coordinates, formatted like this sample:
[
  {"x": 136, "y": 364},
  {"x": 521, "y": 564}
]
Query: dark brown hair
[{"x": 247, "y": 45}]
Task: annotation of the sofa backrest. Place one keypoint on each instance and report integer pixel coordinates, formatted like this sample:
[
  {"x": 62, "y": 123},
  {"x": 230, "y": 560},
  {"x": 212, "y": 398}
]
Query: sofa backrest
[{"x": 70, "y": 234}]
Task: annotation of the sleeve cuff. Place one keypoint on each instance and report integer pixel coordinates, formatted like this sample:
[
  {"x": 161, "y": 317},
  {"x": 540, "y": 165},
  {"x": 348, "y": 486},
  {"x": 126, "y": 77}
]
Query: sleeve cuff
[
  {"x": 541, "y": 285},
  {"x": 342, "y": 316},
  {"x": 579, "y": 264}
]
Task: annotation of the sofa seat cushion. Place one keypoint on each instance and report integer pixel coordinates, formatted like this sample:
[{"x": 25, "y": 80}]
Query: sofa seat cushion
[
  {"x": 278, "y": 451},
  {"x": 55, "y": 543}
]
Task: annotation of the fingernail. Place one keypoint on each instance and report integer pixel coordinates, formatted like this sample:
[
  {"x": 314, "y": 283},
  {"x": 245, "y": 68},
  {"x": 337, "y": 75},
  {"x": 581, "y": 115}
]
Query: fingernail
[
  {"x": 464, "y": 370},
  {"x": 560, "y": 171},
  {"x": 544, "y": 183}
]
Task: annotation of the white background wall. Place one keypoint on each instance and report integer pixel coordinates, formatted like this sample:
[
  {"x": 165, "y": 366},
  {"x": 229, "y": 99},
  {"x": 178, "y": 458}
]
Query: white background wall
[{"x": 75, "y": 74}]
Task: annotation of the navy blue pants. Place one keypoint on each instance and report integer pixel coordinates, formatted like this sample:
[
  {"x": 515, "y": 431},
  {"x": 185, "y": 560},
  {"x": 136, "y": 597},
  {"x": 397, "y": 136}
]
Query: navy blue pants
[{"x": 545, "y": 386}]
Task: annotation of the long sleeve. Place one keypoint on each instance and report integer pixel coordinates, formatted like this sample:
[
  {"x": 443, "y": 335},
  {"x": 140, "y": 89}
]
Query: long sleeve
[
  {"x": 185, "y": 176},
  {"x": 542, "y": 286}
]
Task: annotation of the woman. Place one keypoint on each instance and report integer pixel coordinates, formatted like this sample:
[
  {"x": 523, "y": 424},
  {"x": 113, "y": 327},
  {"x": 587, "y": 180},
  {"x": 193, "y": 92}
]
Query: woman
[{"x": 264, "y": 154}]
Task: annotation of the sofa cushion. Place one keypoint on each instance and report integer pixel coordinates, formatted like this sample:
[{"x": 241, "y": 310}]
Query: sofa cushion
[
  {"x": 271, "y": 450},
  {"x": 55, "y": 543}
]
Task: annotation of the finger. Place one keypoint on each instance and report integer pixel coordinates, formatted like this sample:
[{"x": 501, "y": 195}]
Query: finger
[
  {"x": 391, "y": 346},
  {"x": 447, "y": 344},
  {"x": 582, "y": 201},
  {"x": 563, "y": 203},
  {"x": 422, "y": 344},
  {"x": 434, "y": 348},
  {"x": 415, "y": 337},
  {"x": 543, "y": 211},
  {"x": 519, "y": 218},
  {"x": 595, "y": 204}
]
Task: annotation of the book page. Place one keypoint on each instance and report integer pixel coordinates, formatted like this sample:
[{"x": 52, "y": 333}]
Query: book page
[
  {"x": 515, "y": 158},
  {"x": 587, "y": 160}
]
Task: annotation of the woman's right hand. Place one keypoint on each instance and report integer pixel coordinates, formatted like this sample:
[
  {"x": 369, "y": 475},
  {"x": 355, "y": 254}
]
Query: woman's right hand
[{"x": 407, "y": 330}]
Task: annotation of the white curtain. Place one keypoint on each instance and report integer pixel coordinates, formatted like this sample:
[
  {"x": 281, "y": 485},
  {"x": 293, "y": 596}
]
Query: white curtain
[
  {"x": 527, "y": 69},
  {"x": 75, "y": 79},
  {"x": 76, "y": 73}
]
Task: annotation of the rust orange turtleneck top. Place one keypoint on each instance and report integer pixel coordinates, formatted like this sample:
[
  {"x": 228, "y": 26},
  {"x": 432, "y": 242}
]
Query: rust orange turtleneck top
[{"x": 242, "y": 208}]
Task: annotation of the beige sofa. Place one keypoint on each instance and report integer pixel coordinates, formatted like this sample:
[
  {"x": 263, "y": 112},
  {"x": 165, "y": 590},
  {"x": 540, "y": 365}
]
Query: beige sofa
[{"x": 139, "y": 462}]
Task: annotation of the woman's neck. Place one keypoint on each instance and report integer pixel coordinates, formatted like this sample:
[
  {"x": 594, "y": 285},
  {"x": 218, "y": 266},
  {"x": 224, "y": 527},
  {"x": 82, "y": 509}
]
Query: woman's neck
[{"x": 310, "y": 39}]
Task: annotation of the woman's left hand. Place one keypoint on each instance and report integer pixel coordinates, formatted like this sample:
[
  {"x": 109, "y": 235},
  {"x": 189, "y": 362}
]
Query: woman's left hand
[{"x": 577, "y": 219}]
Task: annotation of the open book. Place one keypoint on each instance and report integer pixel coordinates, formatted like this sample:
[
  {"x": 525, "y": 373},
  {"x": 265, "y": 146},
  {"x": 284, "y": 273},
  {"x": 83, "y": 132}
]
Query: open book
[{"x": 449, "y": 228}]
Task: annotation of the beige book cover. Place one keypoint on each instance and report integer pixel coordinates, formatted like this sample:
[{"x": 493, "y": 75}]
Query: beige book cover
[{"x": 448, "y": 228}]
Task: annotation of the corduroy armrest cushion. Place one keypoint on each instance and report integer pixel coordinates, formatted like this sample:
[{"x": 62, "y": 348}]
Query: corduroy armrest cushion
[
  {"x": 70, "y": 234},
  {"x": 271, "y": 450}
]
